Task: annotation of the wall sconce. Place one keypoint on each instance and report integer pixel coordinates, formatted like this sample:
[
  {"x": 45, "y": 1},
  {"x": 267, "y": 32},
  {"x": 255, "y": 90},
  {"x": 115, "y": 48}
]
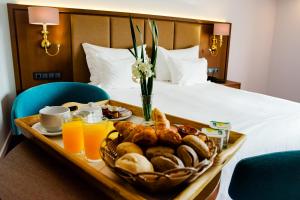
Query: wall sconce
[
  {"x": 44, "y": 16},
  {"x": 220, "y": 29}
]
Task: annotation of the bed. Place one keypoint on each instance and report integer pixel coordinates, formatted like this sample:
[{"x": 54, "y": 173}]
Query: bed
[{"x": 271, "y": 124}]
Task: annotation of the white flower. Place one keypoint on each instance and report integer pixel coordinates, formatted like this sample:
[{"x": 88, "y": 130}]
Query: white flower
[
  {"x": 135, "y": 72},
  {"x": 142, "y": 69}
]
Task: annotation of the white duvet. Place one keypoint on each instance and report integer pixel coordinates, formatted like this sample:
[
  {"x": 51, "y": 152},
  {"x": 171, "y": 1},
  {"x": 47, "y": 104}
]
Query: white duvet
[{"x": 271, "y": 124}]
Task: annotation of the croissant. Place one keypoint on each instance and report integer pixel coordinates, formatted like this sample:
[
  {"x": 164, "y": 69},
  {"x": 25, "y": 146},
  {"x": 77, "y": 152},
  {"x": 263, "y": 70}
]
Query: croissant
[
  {"x": 139, "y": 134},
  {"x": 144, "y": 135},
  {"x": 168, "y": 136},
  {"x": 160, "y": 119},
  {"x": 125, "y": 128},
  {"x": 148, "y": 136}
]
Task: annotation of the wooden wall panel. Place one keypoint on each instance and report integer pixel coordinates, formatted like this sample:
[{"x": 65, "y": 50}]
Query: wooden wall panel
[
  {"x": 165, "y": 32},
  {"x": 89, "y": 29},
  {"x": 32, "y": 57},
  {"x": 121, "y": 34},
  {"x": 186, "y": 35}
]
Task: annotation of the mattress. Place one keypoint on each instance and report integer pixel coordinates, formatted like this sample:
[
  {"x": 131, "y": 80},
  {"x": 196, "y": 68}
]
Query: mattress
[{"x": 271, "y": 124}]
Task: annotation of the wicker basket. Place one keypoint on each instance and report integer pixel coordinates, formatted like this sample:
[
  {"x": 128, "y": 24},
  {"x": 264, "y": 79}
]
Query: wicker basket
[{"x": 155, "y": 181}]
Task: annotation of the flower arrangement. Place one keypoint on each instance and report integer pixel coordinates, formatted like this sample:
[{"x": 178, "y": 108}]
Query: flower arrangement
[{"x": 143, "y": 70}]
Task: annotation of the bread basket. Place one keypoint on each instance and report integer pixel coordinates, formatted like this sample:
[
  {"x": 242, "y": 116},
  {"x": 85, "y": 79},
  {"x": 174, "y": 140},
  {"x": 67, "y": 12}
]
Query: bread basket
[{"x": 154, "y": 181}]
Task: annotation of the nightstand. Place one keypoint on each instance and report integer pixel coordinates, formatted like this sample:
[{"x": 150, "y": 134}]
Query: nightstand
[{"x": 232, "y": 84}]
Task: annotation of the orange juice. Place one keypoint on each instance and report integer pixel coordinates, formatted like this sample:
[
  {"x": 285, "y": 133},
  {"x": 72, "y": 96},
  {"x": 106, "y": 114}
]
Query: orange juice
[
  {"x": 73, "y": 136},
  {"x": 94, "y": 133}
]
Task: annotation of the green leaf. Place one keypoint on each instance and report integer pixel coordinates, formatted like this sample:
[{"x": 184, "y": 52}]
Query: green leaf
[
  {"x": 142, "y": 42},
  {"x": 133, "y": 38},
  {"x": 140, "y": 33},
  {"x": 144, "y": 86},
  {"x": 150, "y": 85},
  {"x": 153, "y": 60},
  {"x": 131, "y": 52},
  {"x": 142, "y": 54},
  {"x": 154, "y": 33},
  {"x": 156, "y": 30}
]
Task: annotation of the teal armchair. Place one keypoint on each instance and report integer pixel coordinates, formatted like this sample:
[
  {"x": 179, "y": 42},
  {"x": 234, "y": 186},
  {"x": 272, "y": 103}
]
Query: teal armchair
[
  {"x": 32, "y": 100},
  {"x": 271, "y": 176}
]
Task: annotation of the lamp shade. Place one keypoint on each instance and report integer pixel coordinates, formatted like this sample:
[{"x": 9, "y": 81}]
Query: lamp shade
[
  {"x": 43, "y": 15},
  {"x": 221, "y": 29}
]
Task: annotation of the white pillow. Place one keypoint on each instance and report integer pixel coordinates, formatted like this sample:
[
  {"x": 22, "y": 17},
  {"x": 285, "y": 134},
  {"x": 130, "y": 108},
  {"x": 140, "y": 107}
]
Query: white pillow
[
  {"x": 188, "y": 72},
  {"x": 115, "y": 74},
  {"x": 100, "y": 59},
  {"x": 162, "y": 70},
  {"x": 109, "y": 53}
]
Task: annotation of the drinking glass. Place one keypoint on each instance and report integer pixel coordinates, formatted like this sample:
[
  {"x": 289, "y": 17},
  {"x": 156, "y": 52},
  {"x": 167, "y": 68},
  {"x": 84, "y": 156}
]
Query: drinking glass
[
  {"x": 94, "y": 133},
  {"x": 72, "y": 133}
]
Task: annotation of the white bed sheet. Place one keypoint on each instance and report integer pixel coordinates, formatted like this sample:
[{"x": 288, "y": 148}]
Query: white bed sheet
[{"x": 271, "y": 124}]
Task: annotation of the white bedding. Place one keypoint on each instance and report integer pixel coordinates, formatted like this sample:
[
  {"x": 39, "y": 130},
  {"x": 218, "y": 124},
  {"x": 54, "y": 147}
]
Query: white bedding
[{"x": 271, "y": 124}]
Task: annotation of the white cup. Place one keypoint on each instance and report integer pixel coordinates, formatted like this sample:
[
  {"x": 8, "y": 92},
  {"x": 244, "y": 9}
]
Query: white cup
[{"x": 53, "y": 117}]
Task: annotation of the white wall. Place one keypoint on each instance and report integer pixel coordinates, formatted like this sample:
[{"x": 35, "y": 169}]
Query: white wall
[
  {"x": 284, "y": 79},
  {"x": 7, "y": 83},
  {"x": 253, "y": 22}
]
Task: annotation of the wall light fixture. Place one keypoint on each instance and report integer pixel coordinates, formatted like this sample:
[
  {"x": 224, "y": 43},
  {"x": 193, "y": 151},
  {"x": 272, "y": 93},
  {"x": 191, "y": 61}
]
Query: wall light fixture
[
  {"x": 44, "y": 16},
  {"x": 220, "y": 29}
]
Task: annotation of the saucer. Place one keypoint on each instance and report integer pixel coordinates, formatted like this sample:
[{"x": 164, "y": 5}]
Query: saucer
[
  {"x": 125, "y": 115},
  {"x": 38, "y": 127}
]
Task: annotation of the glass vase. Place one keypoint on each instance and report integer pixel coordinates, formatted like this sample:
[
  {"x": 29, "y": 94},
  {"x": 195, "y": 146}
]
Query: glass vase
[{"x": 147, "y": 107}]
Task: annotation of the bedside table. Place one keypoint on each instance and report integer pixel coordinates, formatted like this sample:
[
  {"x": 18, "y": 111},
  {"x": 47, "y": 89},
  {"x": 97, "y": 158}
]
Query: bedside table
[{"x": 232, "y": 84}]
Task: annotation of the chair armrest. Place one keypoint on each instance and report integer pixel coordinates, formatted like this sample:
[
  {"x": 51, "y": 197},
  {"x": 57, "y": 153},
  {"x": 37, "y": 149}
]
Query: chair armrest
[{"x": 270, "y": 176}]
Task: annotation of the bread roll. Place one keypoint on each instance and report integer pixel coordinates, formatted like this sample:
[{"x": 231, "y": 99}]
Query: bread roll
[
  {"x": 128, "y": 147},
  {"x": 158, "y": 151},
  {"x": 134, "y": 163},
  {"x": 198, "y": 145},
  {"x": 188, "y": 155},
  {"x": 166, "y": 162}
]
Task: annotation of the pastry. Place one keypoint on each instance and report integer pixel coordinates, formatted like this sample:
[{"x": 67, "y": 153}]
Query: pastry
[
  {"x": 111, "y": 114},
  {"x": 166, "y": 162},
  {"x": 168, "y": 136},
  {"x": 188, "y": 155},
  {"x": 158, "y": 150},
  {"x": 160, "y": 119},
  {"x": 185, "y": 130},
  {"x": 198, "y": 145},
  {"x": 173, "y": 128},
  {"x": 125, "y": 129},
  {"x": 203, "y": 137},
  {"x": 128, "y": 147},
  {"x": 139, "y": 134},
  {"x": 144, "y": 135},
  {"x": 134, "y": 163}
]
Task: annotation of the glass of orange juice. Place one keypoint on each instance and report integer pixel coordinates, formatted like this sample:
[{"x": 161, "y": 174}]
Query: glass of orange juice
[
  {"x": 94, "y": 134},
  {"x": 72, "y": 133}
]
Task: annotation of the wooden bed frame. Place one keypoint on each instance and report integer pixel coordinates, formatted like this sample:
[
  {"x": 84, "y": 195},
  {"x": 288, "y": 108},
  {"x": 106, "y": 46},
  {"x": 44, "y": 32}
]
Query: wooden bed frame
[{"x": 105, "y": 28}]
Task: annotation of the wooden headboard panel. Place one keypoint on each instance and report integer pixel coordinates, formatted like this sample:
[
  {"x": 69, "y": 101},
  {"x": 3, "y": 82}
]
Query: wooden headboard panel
[
  {"x": 114, "y": 32},
  {"x": 105, "y": 28}
]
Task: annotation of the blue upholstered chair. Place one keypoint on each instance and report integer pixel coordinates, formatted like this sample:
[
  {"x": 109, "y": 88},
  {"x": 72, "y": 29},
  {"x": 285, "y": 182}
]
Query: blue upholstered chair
[
  {"x": 271, "y": 176},
  {"x": 32, "y": 100}
]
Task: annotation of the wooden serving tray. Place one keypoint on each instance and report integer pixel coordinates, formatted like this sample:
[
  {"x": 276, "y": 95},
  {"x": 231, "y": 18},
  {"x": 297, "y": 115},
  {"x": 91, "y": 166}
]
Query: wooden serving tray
[{"x": 109, "y": 182}]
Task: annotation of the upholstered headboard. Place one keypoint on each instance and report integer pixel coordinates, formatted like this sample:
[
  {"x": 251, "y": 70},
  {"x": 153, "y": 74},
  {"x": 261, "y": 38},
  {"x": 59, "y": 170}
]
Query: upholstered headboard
[
  {"x": 114, "y": 32},
  {"x": 104, "y": 28}
]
